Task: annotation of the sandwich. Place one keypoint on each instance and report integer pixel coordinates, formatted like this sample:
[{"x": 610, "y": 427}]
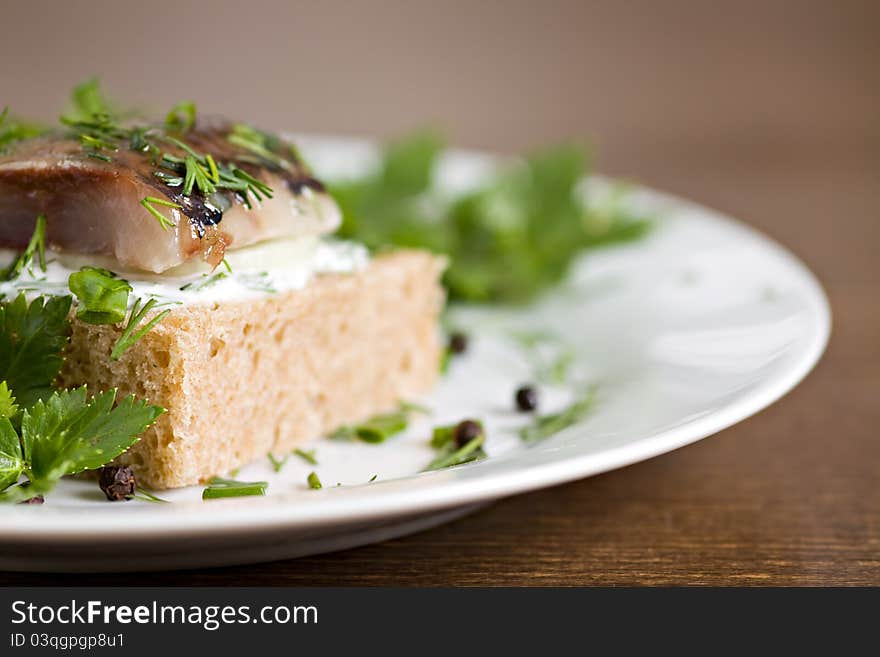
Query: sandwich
[{"x": 206, "y": 279}]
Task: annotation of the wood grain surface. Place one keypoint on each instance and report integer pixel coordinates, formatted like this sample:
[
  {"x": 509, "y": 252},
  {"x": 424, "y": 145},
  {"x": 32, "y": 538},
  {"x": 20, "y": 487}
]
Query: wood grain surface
[{"x": 782, "y": 130}]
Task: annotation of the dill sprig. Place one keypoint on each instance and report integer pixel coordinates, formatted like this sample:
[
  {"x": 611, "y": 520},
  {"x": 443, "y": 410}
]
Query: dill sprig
[
  {"x": 202, "y": 172},
  {"x": 277, "y": 463},
  {"x": 257, "y": 142},
  {"x": 145, "y": 496},
  {"x": 132, "y": 333},
  {"x": 544, "y": 426},
  {"x": 149, "y": 201},
  {"x": 203, "y": 283},
  {"x": 36, "y": 246},
  {"x": 13, "y": 130},
  {"x": 449, "y": 455},
  {"x": 198, "y": 175},
  {"x": 307, "y": 455},
  {"x": 95, "y": 123}
]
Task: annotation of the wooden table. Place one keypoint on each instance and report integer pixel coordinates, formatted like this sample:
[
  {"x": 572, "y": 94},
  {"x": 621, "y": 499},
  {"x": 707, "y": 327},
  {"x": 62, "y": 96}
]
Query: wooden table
[{"x": 791, "y": 496}]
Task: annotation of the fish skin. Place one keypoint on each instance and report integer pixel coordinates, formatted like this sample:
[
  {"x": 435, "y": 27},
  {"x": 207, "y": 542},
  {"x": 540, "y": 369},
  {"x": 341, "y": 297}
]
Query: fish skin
[{"x": 93, "y": 207}]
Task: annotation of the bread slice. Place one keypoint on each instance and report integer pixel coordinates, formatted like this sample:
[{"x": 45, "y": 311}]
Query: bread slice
[{"x": 243, "y": 378}]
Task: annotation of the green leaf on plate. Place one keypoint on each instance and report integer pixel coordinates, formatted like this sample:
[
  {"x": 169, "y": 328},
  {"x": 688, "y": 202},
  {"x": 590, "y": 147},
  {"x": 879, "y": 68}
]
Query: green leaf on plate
[
  {"x": 32, "y": 337},
  {"x": 102, "y": 297},
  {"x": 69, "y": 433},
  {"x": 11, "y": 459}
]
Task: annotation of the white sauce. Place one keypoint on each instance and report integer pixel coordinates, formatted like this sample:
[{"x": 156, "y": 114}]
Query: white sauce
[{"x": 257, "y": 271}]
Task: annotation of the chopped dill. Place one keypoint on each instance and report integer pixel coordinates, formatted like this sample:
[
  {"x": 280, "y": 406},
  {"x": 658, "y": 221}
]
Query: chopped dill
[
  {"x": 306, "y": 455},
  {"x": 150, "y": 201},
  {"x": 277, "y": 463},
  {"x": 207, "y": 282},
  {"x": 131, "y": 334},
  {"x": 36, "y": 246}
]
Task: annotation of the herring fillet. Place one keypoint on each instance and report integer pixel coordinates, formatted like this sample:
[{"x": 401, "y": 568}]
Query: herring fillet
[{"x": 94, "y": 207}]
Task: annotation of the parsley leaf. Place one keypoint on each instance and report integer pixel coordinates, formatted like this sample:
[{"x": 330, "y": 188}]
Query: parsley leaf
[
  {"x": 88, "y": 101},
  {"x": 11, "y": 459},
  {"x": 508, "y": 240},
  {"x": 181, "y": 117},
  {"x": 102, "y": 297},
  {"x": 8, "y": 407},
  {"x": 31, "y": 340},
  {"x": 69, "y": 433}
]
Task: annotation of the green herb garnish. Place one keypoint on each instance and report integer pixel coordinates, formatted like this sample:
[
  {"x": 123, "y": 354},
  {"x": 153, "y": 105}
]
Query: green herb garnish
[
  {"x": 551, "y": 358},
  {"x": 131, "y": 334},
  {"x": 313, "y": 481},
  {"x": 306, "y": 455},
  {"x": 89, "y": 102},
  {"x": 258, "y": 282},
  {"x": 150, "y": 201},
  {"x": 36, "y": 246},
  {"x": 67, "y": 434},
  {"x": 181, "y": 117},
  {"x": 257, "y": 142},
  {"x": 508, "y": 240},
  {"x": 146, "y": 496},
  {"x": 32, "y": 337},
  {"x": 8, "y": 407},
  {"x": 13, "y": 130},
  {"x": 442, "y": 436},
  {"x": 102, "y": 297},
  {"x": 545, "y": 426},
  {"x": 198, "y": 175},
  {"x": 277, "y": 463},
  {"x": 451, "y": 455},
  {"x": 219, "y": 487},
  {"x": 376, "y": 429},
  {"x": 208, "y": 281},
  {"x": 412, "y": 407}
]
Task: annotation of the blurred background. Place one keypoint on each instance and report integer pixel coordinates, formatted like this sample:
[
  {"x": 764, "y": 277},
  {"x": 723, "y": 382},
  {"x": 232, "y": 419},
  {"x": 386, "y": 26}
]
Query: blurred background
[
  {"x": 651, "y": 83},
  {"x": 763, "y": 109}
]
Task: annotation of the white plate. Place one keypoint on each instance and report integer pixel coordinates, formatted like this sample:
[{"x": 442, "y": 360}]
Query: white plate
[{"x": 695, "y": 328}]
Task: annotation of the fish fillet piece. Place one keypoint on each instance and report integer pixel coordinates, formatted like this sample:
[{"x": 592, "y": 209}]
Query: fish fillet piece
[{"x": 94, "y": 207}]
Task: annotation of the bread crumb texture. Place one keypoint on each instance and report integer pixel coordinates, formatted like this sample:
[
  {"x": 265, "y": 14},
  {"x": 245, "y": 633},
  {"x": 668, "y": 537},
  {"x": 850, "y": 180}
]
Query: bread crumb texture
[{"x": 241, "y": 379}]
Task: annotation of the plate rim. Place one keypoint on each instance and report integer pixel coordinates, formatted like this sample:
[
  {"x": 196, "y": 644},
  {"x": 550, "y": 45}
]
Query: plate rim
[{"x": 38, "y": 524}]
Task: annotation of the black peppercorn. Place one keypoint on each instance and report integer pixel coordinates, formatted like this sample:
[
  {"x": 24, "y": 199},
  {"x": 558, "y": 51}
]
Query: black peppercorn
[
  {"x": 458, "y": 343},
  {"x": 526, "y": 398},
  {"x": 117, "y": 482},
  {"x": 465, "y": 431}
]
